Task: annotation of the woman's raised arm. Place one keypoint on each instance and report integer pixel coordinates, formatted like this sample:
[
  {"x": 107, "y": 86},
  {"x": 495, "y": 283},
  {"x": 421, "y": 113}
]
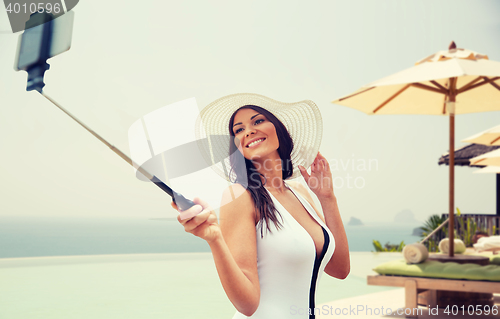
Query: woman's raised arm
[{"x": 321, "y": 184}]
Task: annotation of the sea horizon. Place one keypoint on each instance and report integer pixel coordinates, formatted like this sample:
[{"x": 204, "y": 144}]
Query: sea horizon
[{"x": 55, "y": 236}]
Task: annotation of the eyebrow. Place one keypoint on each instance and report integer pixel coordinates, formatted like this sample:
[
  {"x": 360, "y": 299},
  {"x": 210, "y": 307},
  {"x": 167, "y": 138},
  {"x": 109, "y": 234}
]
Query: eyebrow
[{"x": 250, "y": 119}]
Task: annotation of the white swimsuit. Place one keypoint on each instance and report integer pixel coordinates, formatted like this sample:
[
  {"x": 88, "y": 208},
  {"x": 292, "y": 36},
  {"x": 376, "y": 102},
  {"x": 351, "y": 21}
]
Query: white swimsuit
[{"x": 288, "y": 266}]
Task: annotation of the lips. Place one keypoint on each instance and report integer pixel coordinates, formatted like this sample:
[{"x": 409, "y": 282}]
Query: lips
[{"x": 256, "y": 142}]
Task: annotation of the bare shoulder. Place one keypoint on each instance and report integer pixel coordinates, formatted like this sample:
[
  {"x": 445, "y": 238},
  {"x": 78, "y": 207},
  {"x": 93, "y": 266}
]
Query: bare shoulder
[
  {"x": 236, "y": 203},
  {"x": 232, "y": 192}
]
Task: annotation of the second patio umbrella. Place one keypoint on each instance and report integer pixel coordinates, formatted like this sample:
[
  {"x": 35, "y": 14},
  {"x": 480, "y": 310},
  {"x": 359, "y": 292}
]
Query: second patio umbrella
[
  {"x": 489, "y": 137},
  {"x": 488, "y": 159},
  {"x": 456, "y": 81}
]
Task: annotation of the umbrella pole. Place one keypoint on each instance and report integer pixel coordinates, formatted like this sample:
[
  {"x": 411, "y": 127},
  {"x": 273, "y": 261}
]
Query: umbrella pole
[{"x": 451, "y": 111}]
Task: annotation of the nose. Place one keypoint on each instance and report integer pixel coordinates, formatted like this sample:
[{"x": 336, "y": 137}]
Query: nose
[{"x": 250, "y": 131}]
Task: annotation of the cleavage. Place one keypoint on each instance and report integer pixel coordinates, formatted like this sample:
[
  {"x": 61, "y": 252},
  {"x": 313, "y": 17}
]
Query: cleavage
[{"x": 290, "y": 200}]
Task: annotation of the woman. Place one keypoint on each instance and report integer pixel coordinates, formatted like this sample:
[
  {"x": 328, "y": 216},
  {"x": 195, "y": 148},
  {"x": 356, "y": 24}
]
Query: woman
[{"x": 271, "y": 244}]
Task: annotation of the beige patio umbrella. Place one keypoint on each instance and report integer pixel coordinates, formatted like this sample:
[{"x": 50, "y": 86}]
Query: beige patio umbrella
[
  {"x": 455, "y": 81},
  {"x": 489, "y": 137},
  {"x": 487, "y": 159},
  {"x": 488, "y": 170}
]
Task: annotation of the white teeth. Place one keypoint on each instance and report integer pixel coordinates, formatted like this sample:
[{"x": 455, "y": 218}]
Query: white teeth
[{"x": 255, "y": 142}]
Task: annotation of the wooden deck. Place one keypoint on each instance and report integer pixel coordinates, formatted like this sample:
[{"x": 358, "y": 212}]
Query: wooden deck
[{"x": 390, "y": 304}]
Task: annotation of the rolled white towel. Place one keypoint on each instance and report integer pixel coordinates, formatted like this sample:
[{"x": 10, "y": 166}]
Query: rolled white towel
[
  {"x": 487, "y": 243},
  {"x": 415, "y": 253},
  {"x": 444, "y": 246}
]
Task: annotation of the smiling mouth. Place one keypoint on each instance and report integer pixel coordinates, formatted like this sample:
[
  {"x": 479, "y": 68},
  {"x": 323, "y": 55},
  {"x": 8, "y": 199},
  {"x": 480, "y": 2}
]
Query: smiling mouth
[{"x": 256, "y": 142}]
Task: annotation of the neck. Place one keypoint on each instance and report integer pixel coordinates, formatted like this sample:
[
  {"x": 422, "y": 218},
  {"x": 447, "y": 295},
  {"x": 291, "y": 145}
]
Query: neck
[{"x": 271, "y": 169}]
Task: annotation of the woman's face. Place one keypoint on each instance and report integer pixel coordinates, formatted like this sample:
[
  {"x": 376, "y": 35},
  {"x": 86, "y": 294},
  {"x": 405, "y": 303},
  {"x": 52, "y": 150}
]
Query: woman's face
[{"x": 255, "y": 134}]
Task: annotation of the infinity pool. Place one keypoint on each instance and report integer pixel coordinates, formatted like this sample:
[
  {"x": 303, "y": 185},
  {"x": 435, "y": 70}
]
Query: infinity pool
[{"x": 174, "y": 285}]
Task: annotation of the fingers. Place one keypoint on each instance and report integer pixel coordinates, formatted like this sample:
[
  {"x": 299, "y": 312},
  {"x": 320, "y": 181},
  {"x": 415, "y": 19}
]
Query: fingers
[
  {"x": 201, "y": 202},
  {"x": 189, "y": 213},
  {"x": 205, "y": 207},
  {"x": 318, "y": 166},
  {"x": 327, "y": 167},
  {"x": 212, "y": 218},
  {"x": 173, "y": 205},
  {"x": 197, "y": 220},
  {"x": 196, "y": 215},
  {"x": 193, "y": 211},
  {"x": 205, "y": 218},
  {"x": 322, "y": 163}
]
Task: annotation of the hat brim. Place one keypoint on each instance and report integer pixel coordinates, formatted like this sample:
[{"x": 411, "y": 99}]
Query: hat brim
[{"x": 302, "y": 120}]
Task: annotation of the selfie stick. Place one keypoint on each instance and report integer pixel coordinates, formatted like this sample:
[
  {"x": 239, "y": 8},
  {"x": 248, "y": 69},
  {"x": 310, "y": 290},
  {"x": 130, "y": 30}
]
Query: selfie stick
[
  {"x": 181, "y": 202},
  {"x": 36, "y": 45}
]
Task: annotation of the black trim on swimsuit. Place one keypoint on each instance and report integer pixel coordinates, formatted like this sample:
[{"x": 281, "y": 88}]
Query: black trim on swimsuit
[{"x": 317, "y": 264}]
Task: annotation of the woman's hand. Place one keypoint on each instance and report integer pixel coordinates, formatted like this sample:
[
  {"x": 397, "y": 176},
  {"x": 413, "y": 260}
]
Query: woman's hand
[
  {"x": 200, "y": 220},
  {"x": 320, "y": 180}
]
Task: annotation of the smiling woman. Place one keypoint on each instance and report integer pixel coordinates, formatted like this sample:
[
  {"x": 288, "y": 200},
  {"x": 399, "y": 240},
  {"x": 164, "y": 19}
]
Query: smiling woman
[
  {"x": 272, "y": 244},
  {"x": 249, "y": 125},
  {"x": 252, "y": 129}
]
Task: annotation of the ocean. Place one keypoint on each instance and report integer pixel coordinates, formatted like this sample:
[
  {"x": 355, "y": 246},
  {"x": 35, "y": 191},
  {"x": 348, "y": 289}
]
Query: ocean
[
  {"x": 52, "y": 236},
  {"x": 140, "y": 268}
]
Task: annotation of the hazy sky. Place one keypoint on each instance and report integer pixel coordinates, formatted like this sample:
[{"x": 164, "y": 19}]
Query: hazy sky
[{"x": 129, "y": 60}]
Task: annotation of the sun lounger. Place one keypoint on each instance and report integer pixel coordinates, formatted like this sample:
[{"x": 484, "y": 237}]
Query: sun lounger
[
  {"x": 415, "y": 285},
  {"x": 431, "y": 276}
]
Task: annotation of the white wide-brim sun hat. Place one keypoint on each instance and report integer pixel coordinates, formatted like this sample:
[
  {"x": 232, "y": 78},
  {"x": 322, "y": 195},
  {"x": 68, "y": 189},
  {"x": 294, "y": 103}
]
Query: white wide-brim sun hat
[{"x": 302, "y": 120}]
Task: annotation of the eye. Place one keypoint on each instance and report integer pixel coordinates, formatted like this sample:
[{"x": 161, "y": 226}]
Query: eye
[
  {"x": 238, "y": 130},
  {"x": 259, "y": 121}
]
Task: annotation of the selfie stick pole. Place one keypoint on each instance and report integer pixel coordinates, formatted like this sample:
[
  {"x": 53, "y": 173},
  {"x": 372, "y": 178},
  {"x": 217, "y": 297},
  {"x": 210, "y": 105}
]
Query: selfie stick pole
[
  {"x": 36, "y": 45},
  {"x": 181, "y": 202}
]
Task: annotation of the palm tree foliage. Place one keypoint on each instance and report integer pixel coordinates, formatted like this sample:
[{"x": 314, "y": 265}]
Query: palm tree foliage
[
  {"x": 388, "y": 247},
  {"x": 430, "y": 225}
]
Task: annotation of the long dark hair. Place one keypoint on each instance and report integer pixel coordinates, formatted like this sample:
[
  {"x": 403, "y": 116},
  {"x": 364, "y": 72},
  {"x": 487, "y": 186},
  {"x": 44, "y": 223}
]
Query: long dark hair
[{"x": 247, "y": 172}]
